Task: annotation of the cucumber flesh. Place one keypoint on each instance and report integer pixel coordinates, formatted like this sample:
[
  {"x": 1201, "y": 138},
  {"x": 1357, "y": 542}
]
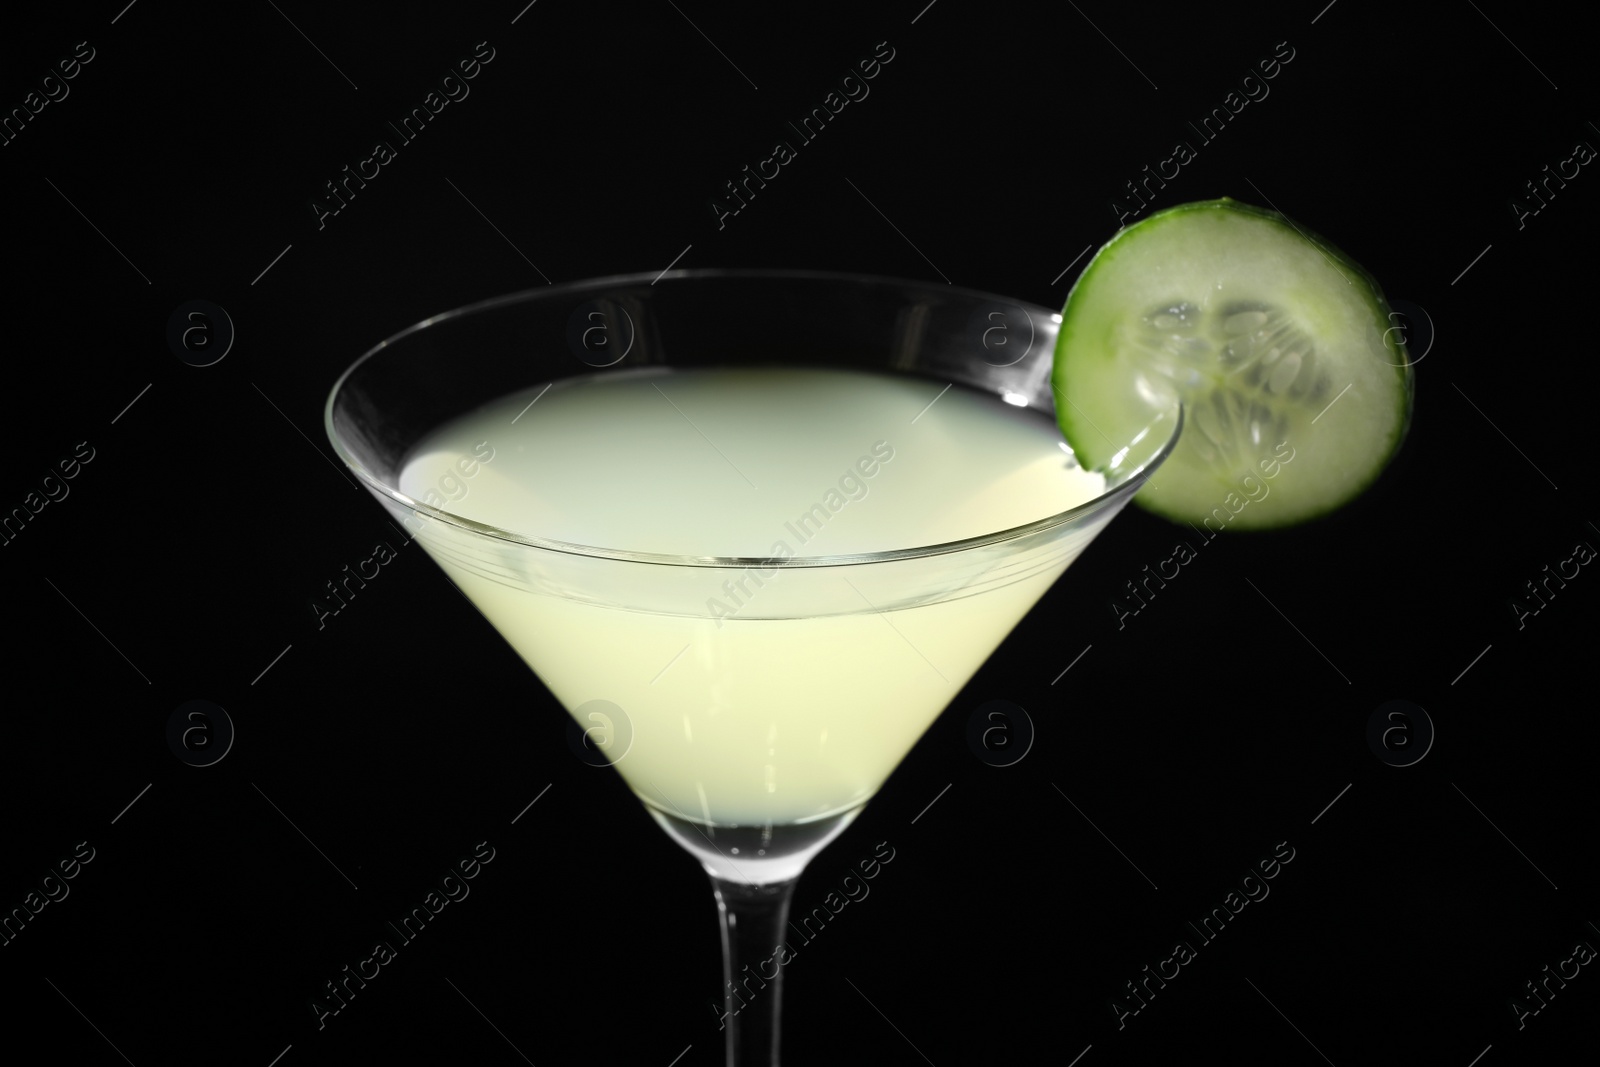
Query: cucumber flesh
[{"x": 1296, "y": 388}]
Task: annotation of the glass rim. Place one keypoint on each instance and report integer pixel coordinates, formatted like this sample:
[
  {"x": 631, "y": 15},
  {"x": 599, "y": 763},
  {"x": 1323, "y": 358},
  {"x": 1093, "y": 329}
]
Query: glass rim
[{"x": 1131, "y": 483}]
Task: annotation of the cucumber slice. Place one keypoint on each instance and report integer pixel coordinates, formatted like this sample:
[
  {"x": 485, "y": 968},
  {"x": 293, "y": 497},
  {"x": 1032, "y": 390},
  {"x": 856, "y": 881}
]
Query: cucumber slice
[{"x": 1296, "y": 389}]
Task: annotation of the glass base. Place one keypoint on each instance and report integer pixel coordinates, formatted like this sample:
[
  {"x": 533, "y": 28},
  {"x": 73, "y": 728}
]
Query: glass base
[{"x": 754, "y": 855}]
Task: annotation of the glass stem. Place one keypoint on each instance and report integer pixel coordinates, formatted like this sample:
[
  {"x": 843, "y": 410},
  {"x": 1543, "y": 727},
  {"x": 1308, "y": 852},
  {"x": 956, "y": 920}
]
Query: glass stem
[{"x": 753, "y": 921}]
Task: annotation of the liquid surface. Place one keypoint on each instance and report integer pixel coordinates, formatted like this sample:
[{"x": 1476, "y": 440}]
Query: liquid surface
[
  {"x": 733, "y": 462},
  {"x": 747, "y": 697}
]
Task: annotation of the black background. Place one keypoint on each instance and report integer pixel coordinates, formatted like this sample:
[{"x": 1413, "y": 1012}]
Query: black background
[{"x": 1212, "y": 726}]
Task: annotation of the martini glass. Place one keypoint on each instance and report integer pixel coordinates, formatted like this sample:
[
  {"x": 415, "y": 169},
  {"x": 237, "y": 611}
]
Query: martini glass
[{"x": 752, "y": 684}]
